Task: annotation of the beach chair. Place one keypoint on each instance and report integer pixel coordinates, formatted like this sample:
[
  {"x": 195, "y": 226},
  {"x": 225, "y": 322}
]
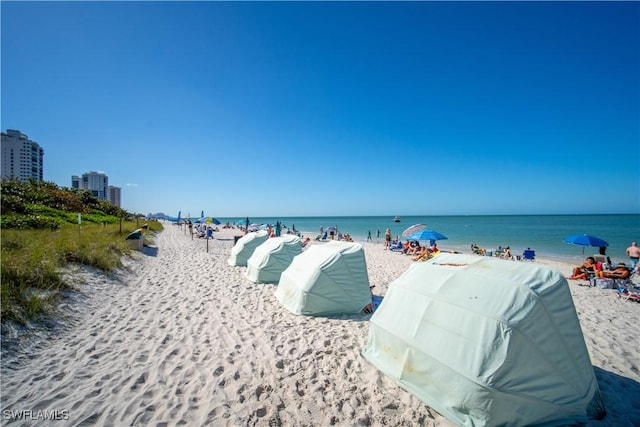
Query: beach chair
[
  {"x": 396, "y": 247},
  {"x": 627, "y": 295},
  {"x": 529, "y": 255},
  {"x": 629, "y": 282}
]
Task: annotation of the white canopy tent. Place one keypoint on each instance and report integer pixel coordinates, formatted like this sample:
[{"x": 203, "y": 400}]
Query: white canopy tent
[
  {"x": 245, "y": 246},
  {"x": 486, "y": 341},
  {"x": 272, "y": 257},
  {"x": 326, "y": 279}
]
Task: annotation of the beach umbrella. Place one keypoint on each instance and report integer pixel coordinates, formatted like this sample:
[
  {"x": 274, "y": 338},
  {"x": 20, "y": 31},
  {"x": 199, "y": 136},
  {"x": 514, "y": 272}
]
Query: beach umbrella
[
  {"x": 413, "y": 229},
  {"x": 585, "y": 240},
  {"x": 426, "y": 234},
  {"x": 211, "y": 220}
]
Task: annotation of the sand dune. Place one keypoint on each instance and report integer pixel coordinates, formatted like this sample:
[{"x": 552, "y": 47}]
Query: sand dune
[{"x": 185, "y": 339}]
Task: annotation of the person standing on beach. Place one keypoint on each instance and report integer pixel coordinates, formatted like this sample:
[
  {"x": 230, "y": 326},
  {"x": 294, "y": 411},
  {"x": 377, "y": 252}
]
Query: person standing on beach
[
  {"x": 369, "y": 236},
  {"x": 634, "y": 254},
  {"x": 387, "y": 238}
]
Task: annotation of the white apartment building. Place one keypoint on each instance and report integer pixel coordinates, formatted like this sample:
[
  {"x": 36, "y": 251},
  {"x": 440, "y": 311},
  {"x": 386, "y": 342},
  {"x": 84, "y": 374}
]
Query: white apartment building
[
  {"x": 21, "y": 158},
  {"x": 96, "y": 182}
]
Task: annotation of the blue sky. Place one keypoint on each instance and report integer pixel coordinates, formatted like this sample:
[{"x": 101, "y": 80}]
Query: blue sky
[{"x": 331, "y": 108}]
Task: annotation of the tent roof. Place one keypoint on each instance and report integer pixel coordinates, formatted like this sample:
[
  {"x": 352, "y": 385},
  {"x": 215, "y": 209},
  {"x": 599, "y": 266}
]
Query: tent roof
[
  {"x": 484, "y": 340},
  {"x": 245, "y": 246},
  {"x": 330, "y": 278},
  {"x": 272, "y": 257}
]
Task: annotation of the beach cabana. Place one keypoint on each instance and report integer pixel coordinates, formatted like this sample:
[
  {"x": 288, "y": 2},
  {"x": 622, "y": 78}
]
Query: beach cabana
[
  {"x": 272, "y": 257},
  {"x": 484, "y": 341},
  {"x": 244, "y": 247},
  {"x": 326, "y": 279}
]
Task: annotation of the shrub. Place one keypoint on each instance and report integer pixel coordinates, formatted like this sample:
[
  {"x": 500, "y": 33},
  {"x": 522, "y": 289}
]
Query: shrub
[{"x": 40, "y": 235}]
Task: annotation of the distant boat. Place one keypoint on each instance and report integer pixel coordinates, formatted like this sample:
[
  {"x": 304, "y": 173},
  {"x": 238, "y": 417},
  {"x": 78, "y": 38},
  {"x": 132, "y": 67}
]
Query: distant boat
[{"x": 396, "y": 219}]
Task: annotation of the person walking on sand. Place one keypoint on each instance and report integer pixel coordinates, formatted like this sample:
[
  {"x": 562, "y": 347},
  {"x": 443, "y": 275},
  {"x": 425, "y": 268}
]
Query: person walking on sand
[{"x": 634, "y": 254}]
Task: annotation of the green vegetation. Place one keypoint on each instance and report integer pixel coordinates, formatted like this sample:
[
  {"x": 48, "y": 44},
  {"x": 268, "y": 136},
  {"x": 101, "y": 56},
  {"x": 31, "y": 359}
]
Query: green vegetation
[{"x": 40, "y": 235}]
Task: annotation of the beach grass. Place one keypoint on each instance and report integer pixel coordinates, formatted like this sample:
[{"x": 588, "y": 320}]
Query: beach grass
[{"x": 33, "y": 262}]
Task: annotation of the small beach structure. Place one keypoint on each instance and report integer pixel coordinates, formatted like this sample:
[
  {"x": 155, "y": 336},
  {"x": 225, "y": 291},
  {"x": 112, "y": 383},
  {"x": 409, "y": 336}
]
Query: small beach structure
[
  {"x": 326, "y": 279},
  {"x": 272, "y": 257},
  {"x": 135, "y": 239},
  {"x": 486, "y": 342},
  {"x": 244, "y": 247}
]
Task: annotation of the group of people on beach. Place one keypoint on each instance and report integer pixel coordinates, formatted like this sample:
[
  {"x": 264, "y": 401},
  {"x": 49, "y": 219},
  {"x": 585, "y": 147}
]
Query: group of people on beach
[
  {"x": 504, "y": 253},
  {"x": 591, "y": 268},
  {"x": 415, "y": 249},
  {"x": 201, "y": 230},
  {"x": 332, "y": 233}
]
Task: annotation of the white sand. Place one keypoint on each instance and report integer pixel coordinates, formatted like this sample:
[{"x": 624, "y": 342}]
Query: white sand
[{"x": 186, "y": 339}]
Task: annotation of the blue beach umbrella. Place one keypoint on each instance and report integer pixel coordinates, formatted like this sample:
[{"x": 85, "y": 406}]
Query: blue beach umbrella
[
  {"x": 585, "y": 240},
  {"x": 426, "y": 234}
]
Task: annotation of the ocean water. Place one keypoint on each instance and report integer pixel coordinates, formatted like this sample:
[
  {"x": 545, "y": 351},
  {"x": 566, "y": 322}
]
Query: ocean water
[{"x": 542, "y": 233}]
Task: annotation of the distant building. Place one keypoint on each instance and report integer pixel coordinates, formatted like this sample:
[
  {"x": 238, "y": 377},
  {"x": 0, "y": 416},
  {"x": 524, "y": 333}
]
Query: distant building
[
  {"x": 96, "y": 182},
  {"x": 114, "y": 195},
  {"x": 21, "y": 158}
]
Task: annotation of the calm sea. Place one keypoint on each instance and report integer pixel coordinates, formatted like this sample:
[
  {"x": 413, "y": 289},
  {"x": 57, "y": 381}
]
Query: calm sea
[{"x": 543, "y": 233}]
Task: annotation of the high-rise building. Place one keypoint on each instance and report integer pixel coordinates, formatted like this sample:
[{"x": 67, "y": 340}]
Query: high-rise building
[
  {"x": 21, "y": 158},
  {"x": 96, "y": 182},
  {"x": 114, "y": 195}
]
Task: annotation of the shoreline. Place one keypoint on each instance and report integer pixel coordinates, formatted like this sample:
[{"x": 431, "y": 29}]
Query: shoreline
[
  {"x": 185, "y": 338},
  {"x": 546, "y": 258},
  {"x": 542, "y": 233}
]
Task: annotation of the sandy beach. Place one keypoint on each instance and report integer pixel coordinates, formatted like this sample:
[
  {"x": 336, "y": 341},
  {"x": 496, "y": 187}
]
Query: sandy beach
[{"x": 182, "y": 338}]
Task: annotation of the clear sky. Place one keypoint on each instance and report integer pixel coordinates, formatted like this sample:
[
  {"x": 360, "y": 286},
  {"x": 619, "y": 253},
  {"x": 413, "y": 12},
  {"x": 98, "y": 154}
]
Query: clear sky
[{"x": 331, "y": 108}]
